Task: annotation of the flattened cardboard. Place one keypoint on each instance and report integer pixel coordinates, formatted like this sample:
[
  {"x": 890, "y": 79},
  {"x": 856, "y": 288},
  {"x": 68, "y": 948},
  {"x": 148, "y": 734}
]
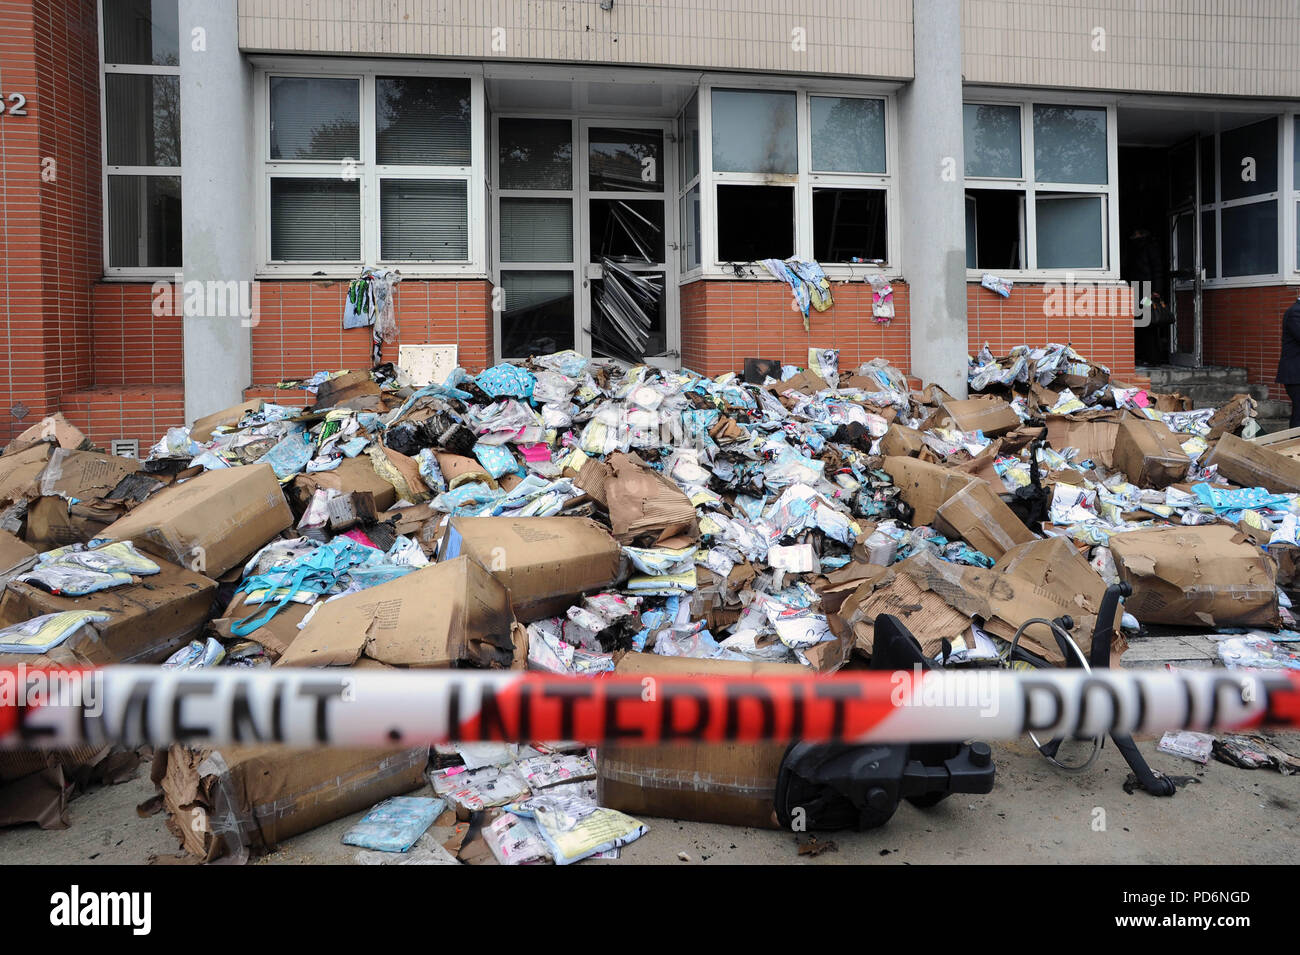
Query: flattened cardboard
[
  {"x": 19, "y": 471},
  {"x": 55, "y": 429},
  {"x": 452, "y": 613},
  {"x": 275, "y": 635},
  {"x": 83, "y": 474},
  {"x": 147, "y": 621},
  {"x": 212, "y": 522},
  {"x": 925, "y": 613},
  {"x": 1149, "y": 453},
  {"x": 1254, "y": 465},
  {"x": 642, "y": 502},
  {"x": 730, "y": 783},
  {"x": 991, "y": 415},
  {"x": 244, "y": 800},
  {"x": 352, "y": 474},
  {"x": 201, "y": 430},
  {"x": 924, "y": 486},
  {"x": 1205, "y": 576},
  {"x": 981, "y": 519},
  {"x": 545, "y": 562}
]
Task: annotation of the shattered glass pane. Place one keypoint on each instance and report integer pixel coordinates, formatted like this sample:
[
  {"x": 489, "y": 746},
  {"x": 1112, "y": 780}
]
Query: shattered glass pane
[
  {"x": 628, "y": 314},
  {"x": 630, "y": 228}
]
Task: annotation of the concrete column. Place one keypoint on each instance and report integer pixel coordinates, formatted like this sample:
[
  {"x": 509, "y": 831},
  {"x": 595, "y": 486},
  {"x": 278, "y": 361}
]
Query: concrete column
[
  {"x": 932, "y": 196},
  {"x": 217, "y": 206}
]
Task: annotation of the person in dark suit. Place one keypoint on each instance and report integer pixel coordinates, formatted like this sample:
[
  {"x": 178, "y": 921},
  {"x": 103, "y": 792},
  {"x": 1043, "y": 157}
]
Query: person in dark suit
[{"x": 1288, "y": 366}]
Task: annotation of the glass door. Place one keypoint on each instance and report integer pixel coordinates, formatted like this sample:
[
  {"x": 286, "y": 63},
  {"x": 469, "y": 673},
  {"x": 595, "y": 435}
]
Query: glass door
[
  {"x": 582, "y": 239},
  {"x": 629, "y": 298},
  {"x": 1185, "y": 255}
]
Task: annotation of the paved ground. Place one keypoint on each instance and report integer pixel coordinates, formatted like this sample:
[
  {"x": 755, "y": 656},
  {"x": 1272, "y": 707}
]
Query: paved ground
[{"x": 1035, "y": 814}]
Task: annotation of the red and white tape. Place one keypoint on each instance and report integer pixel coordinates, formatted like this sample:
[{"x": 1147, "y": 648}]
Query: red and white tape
[{"x": 134, "y": 705}]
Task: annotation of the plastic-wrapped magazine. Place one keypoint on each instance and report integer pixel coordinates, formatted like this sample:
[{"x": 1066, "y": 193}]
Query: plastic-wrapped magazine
[
  {"x": 395, "y": 824},
  {"x": 573, "y": 829},
  {"x": 542, "y": 772},
  {"x": 44, "y": 633},
  {"x": 476, "y": 789},
  {"x": 515, "y": 840}
]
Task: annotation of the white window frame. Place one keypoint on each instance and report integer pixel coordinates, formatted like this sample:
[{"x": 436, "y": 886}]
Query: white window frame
[
  {"x": 804, "y": 181},
  {"x": 1290, "y": 217},
  {"x": 1285, "y": 222},
  {"x": 685, "y": 271},
  {"x": 132, "y": 272},
  {"x": 1028, "y": 185},
  {"x": 367, "y": 172}
]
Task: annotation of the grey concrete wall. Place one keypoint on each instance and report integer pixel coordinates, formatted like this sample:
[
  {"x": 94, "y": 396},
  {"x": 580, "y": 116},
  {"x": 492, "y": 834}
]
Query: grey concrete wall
[
  {"x": 217, "y": 202},
  {"x": 931, "y": 197},
  {"x": 845, "y": 37},
  {"x": 1208, "y": 47}
]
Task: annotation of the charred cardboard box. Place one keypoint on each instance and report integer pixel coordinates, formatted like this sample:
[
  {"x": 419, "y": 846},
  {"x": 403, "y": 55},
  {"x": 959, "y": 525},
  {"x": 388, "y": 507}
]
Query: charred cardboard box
[
  {"x": 729, "y": 783},
  {"x": 645, "y": 504},
  {"x": 448, "y": 614},
  {"x": 212, "y": 522},
  {"x": 1149, "y": 453},
  {"x": 55, "y": 521},
  {"x": 352, "y": 474},
  {"x": 1206, "y": 576},
  {"x": 991, "y": 415},
  {"x": 147, "y": 620},
  {"x": 924, "y": 612},
  {"x": 545, "y": 562},
  {"x": 240, "y": 801},
  {"x": 1255, "y": 465}
]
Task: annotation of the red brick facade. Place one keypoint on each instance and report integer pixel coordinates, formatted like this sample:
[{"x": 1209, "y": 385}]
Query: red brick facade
[
  {"x": 1242, "y": 328},
  {"x": 50, "y": 247}
]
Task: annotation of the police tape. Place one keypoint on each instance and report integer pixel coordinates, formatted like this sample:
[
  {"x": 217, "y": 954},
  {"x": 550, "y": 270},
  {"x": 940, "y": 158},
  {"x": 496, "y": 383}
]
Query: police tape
[{"x": 135, "y": 705}]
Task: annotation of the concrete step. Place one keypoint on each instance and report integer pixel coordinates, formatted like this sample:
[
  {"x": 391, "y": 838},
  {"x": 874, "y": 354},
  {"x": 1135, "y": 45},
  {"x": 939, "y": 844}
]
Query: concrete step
[
  {"x": 1212, "y": 396},
  {"x": 1172, "y": 377}
]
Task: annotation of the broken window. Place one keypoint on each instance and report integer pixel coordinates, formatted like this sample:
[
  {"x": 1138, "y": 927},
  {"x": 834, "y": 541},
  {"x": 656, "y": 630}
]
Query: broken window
[
  {"x": 755, "y": 222},
  {"x": 996, "y": 219},
  {"x": 627, "y": 228},
  {"x": 849, "y": 225},
  {"x": 627, "y": 316},
  {"x": 1045, "y": 208}
]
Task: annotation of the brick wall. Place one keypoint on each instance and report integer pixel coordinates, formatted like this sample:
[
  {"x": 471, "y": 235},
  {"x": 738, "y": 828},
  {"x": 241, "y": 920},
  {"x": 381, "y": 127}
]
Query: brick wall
[
  {"x": 725, "y": 322},
  {"x": 50, "y": 252},
  {"x": 1242, "y": 328},
  {"x": 300, "y": 326},
  {"x": 1033, "y": 316}
]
